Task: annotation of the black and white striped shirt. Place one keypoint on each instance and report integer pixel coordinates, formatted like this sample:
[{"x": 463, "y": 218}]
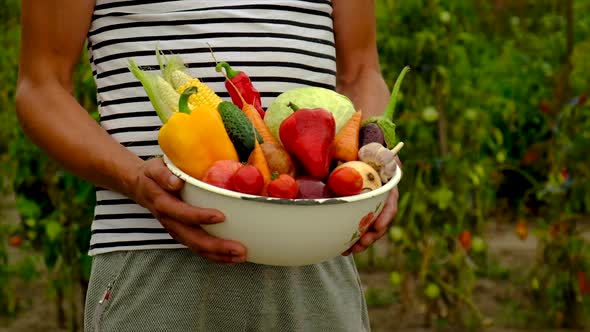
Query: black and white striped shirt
[{"x": 281, "y": 44}]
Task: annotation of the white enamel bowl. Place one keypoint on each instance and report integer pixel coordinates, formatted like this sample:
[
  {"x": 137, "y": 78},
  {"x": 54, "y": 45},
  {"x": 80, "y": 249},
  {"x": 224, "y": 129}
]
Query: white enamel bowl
[{"x": 287, "y": 232}]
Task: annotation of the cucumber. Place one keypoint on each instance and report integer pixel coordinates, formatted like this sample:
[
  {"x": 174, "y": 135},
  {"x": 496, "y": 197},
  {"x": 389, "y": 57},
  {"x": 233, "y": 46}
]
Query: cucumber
[{"x": 239, "y": 129}]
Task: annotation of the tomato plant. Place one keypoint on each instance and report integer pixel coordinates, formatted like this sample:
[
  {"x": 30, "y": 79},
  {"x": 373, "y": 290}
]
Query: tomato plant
[{"x": 485, "y": 109}]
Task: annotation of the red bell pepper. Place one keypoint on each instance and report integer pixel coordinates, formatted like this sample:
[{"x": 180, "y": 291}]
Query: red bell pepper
[
  {"x": 243, "y": 84},
  {"x": 307, "y": 134}
]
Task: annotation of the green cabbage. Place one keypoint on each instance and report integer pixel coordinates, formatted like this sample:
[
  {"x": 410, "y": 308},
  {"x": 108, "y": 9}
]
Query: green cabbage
[{"x": 308, "y": 97}]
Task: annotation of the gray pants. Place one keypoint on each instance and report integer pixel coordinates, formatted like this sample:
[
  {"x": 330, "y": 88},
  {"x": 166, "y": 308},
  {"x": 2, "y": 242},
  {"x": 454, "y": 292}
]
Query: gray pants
[{"x": 176, "y": 290}]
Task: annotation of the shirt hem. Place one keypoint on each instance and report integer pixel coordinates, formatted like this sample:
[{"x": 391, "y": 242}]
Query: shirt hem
[{"x": 99, "y": 251}]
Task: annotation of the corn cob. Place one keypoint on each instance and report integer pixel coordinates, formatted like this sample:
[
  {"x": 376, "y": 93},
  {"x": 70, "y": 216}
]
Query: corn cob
[
  {"x": 163, "y": 97},
  {"x": 179, "y": 78},
  {"x": 173, "y": 69},
  {"x": 204, "y": 95},
  {"x": 174, "y": 72}
]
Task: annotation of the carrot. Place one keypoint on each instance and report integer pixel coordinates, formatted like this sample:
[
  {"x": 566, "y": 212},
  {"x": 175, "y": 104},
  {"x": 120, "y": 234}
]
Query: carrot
[
  {"x": 346, "y": 142},
  {"x": 258, "y": 160},
  {"x": 259, "y": 124}
]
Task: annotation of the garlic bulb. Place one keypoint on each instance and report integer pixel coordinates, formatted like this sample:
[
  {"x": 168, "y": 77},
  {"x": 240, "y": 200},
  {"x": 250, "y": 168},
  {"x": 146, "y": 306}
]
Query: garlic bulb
[{"x": 380, "y": 158}]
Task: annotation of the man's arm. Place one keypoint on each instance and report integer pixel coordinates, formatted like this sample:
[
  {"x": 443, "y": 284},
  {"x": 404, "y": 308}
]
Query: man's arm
[
  {"x": 53, "y": 36},
  {"x": 359, "y": 77},
  {"x": 359, "y": 74}
]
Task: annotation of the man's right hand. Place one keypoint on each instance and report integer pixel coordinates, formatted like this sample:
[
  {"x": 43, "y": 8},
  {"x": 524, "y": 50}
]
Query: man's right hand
[{"x": 156, "y": 189}]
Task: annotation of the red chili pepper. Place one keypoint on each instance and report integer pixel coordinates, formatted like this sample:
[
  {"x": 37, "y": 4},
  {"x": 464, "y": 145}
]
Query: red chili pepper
[{"x": 244, "y": 87}]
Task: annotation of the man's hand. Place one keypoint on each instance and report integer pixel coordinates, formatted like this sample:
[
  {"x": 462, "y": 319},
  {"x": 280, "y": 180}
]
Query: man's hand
[
  {"x": 156, "y": 188},
  {"x": 379, "y": 227}
]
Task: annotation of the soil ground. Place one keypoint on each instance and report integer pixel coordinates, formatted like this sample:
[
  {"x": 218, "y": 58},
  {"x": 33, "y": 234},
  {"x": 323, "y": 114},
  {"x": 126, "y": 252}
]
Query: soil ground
[{"x": 493, "y": 297}]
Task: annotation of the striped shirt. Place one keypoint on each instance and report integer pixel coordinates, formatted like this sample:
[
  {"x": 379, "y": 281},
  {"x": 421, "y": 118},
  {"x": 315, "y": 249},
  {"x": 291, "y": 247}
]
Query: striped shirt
[{"x": 281, "y": 44}]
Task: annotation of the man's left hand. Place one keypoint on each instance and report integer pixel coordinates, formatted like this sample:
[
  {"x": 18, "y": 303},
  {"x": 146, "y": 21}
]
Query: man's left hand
[{"x": 381, "y": 225}]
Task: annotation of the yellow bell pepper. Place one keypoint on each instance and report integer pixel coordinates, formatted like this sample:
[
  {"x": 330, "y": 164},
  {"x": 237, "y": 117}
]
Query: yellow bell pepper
[{"x": 194, "y": 139}]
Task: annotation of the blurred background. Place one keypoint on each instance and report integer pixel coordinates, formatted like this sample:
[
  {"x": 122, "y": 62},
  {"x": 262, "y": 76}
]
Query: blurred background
[{"x": 493, "y": 226}]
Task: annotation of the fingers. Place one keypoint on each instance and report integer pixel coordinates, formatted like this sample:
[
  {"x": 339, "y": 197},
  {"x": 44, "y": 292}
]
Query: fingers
[
  {"x": 204, "y": 244},
  {"x": 388, "y": 213},
  {"x": 156, "y": 191},
  {"x": 165, "y": 204},
  {"x": 222, "y": 259},
  {"x": 379, "y": 227},
  {"x": 170, "y": 206},
  {"x": 156, "y": 170},
  {"x": 356, "y": 248}
]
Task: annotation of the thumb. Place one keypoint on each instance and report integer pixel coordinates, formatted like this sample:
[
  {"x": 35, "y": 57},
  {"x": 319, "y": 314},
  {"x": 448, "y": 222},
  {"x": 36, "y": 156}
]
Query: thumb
[{"x": 156, "y": 170}]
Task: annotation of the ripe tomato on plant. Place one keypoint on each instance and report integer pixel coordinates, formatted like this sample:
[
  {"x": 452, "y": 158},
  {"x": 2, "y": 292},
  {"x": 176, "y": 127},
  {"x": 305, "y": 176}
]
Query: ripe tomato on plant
[
  {"x": 530, "y": 157},
  {"x": 522, "y": 230},
  {"x": 583, "y": 283},
  {"x": 248, "y": 180},
  {"x": 465, "y": 240},
  {"x": 284, "y": 186},
  {"x": 15, "y": 241}
]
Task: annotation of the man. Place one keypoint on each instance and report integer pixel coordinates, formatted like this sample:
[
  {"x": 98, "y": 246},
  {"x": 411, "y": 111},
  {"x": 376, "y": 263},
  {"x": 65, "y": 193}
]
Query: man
[{"x": 154, "y": 268}]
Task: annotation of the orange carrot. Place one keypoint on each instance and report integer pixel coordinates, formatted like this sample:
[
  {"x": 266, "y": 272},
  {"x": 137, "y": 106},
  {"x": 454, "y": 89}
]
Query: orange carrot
[
  {"x": 258, "y": 123},
  {"x": 258, "y": 160},
  {"x": 346, "y": 143}
]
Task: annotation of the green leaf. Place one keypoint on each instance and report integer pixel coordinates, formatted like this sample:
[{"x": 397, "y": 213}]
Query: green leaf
[
  {"x": 30, "y": 222},
  {"x": 388, "y": 129},
  {"x": 52, "y": 229},
  {"x": 390, "y": 111},
  {"x": 28, "y": 208},
  {"x": 403, "y": 205},
  {"x": 430, "y": 114},
  {"x": 443, "y": 197}
]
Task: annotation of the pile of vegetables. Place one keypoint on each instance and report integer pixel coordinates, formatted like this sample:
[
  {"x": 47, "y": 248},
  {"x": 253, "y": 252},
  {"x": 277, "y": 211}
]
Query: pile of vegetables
[{"x": 309, "y": 143}]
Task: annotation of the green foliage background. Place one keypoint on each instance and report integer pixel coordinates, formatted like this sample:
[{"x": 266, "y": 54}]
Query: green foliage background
[{"x": 495, "y": 123}]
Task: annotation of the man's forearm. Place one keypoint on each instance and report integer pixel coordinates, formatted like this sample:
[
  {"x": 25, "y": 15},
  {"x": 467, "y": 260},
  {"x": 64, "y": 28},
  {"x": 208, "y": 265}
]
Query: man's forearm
[
  {"x": 367, "y": 90},
  {"x": 53, "y": 119}
]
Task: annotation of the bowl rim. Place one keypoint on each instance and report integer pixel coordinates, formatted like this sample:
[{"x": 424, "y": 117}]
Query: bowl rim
[{"x": 392, "y": 183}]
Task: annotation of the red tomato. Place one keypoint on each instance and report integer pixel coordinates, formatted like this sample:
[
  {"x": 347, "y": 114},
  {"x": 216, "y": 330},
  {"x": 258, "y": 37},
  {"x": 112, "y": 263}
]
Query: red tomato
[
  {"x": 345, "y": 181},
  {"x": 221, "y": 172},
  {"x": 530, "y": 157},
  {"x": 465, "y": 240},
  {"x": 15, "y": 241},
  {"x": 248, "y": 180},
  {"x": 522, "y": 230},
  {"x": 283, "y": 187},
  {"x": 583, "y": 283},
  {"x": 545, "y": 106},
  {"x": 564, "y": 174}
]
